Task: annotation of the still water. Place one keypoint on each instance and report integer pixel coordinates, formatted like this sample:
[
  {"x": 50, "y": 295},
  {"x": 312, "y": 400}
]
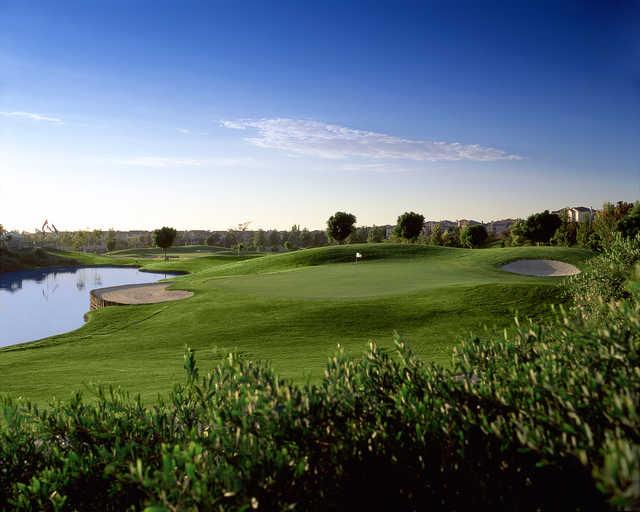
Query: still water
[{"x": 35, "y": 304}]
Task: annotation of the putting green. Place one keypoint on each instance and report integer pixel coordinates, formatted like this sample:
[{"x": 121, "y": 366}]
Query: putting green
[
  {"x": 365, "y": 279},
  {"x": 291, "y": 309}
]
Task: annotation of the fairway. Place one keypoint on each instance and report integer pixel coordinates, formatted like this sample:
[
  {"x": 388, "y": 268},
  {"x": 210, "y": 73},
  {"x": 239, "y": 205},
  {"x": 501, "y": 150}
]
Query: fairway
[{"x": 291, "y": 309}]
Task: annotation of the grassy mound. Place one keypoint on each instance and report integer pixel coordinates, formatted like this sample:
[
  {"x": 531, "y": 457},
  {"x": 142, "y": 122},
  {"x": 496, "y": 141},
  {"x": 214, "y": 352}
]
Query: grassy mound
[{"x": 11, "y": 261}]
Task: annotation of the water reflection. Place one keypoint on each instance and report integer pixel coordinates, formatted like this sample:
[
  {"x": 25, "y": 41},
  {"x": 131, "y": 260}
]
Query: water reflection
[{"x": 38, "y": 303}]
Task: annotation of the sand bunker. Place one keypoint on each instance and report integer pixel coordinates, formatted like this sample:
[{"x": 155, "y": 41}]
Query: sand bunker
[
  {"x": 139, "y": 294},
  {"x": 542, "y": 268}
]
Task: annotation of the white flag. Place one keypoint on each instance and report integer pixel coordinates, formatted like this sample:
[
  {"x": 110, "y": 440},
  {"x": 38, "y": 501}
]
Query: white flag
[{"x": 358, "y": 255}]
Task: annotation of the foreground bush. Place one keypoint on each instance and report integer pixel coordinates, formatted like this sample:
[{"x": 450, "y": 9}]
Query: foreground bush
[
  {"x": 546, "y": 418},
  {"x": 606, "y": 278}
]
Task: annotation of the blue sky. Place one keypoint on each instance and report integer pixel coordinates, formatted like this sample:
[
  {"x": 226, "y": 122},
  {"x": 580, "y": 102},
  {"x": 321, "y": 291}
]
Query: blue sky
[{"x": 206, "y": 114}]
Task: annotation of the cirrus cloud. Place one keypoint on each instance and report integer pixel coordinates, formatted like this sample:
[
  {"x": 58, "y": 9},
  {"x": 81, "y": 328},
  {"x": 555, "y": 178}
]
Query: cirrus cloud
[
  {"x": 315, "y": 138},
  {"x": 32, "y": 116}
]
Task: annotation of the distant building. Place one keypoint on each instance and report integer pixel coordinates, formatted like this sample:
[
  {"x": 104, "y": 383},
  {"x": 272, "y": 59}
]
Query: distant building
[
  {"x": 445, "y": 225},
  {"x": 463, "y": 223},
  {"x": 388, "y": 231},
  {"x": 577, "y": 213},
  {"x": 499, "y": 227}
]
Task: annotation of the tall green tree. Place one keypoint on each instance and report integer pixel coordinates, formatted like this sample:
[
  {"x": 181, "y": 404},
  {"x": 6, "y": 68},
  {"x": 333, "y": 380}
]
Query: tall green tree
[
  {"x": 409, "y": 226},
  {"x": 340, "y": 225},
  {"x": 164, "y": 238},
  {"x": 473, "y": 236},
  {"x": 540, "y": 227}
]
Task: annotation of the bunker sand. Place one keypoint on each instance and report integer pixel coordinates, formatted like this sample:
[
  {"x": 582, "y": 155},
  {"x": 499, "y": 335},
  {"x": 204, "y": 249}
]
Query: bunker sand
[
  {"x": 138, "y": 294},
  {"x": 541, "y": 268}
]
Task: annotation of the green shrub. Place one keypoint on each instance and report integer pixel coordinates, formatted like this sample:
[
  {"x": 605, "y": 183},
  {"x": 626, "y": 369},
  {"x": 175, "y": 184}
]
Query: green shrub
[
  {"x": 544, "y": 419},
  {"x": 606, "y": 276}
]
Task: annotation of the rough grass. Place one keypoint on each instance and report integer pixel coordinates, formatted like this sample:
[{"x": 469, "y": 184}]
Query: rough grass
[{"x": 291, "y": 309}]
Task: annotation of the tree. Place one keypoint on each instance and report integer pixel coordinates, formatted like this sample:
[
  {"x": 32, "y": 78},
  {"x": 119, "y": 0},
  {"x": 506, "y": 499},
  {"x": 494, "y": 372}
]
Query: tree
[
  {"x": 376, "y": 235},
  {"x": 540, "y": 227},
  {"x": 320, "y": 238},
  {"x": 566, "y": 234},
  {"x": 629, "y": 225},
  {"x": 237, "y": 235},
  {"x": 340, "y": 225},
  {"x": 473, "y": 236},
  {"x": 164, "y": 238},
  {"x": 111, "y": 240},
  {"x": 79, "y": 240},
  {"x": 451, "y": 237},
  {"x": 436, "y": 235},
  {"x": 306, "y": 238},
  {"x": 260, "y": 240},
  {"x": 409, "y": 226},
  {"x": 213, "y": 239},
  {"x": 294, "y": 237},
  {"x": 359, "y": 235},
  {"x": 274, "y": 240}
]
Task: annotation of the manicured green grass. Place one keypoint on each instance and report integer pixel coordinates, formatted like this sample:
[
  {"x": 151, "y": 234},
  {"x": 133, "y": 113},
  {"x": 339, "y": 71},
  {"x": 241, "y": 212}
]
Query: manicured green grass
[{"x": 292, "y": 309}]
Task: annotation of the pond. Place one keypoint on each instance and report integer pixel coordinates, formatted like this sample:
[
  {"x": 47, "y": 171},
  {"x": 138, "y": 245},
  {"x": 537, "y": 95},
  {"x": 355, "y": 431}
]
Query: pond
[{"x": 35, "y": 304}]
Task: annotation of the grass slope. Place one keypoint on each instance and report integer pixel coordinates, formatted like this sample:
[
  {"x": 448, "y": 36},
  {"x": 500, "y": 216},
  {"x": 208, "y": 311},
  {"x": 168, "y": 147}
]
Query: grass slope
[{"x": 292, "y": 309}]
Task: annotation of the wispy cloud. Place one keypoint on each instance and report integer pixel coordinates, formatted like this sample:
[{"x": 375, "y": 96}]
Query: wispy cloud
[
  {"x": 160, "y": 162},
  {"x": 314, "y": 138},
  {"x": 187, "y": 131},
  {"x": 33, "y": 116}
]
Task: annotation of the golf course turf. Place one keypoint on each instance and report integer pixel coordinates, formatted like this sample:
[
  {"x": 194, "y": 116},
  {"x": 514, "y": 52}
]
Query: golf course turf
[{"x": 292, "y": 309}]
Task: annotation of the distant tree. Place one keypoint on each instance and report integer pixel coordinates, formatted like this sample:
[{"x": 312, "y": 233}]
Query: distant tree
[
  {"x": 80, "y": 240},
  {"x": 451, "y": 237},
  {"x": 473, "y": 236},
  {"x": 213, "y": 239},
  {"x": 540, "y": 227},
  {"x": 3, "y": 236},
  {"x": 435, "y": 238},
  {"x": 320, "y": 238},
  {"x": 359, "y": 235},
  {"x": 409, "y": 226},
  {"x": 164, "y": 238},
  {"x": 376, "y": 235},
  {"x": 306, "y": 238},
  {"x": 606, "y": 221},
  {"x": 340, "y": 225},
  {"x": 294, "y": 237},
  {"x": 275, "y": 241},
  {"x": 566, "y": 234},
  {"x": 260, "y": 240},
  {"x": 111, "y": 240},
  {"x": 629, "y": 225},
  {"x": 237, "y": 235},
  {"x": 229, "y": 239}
]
